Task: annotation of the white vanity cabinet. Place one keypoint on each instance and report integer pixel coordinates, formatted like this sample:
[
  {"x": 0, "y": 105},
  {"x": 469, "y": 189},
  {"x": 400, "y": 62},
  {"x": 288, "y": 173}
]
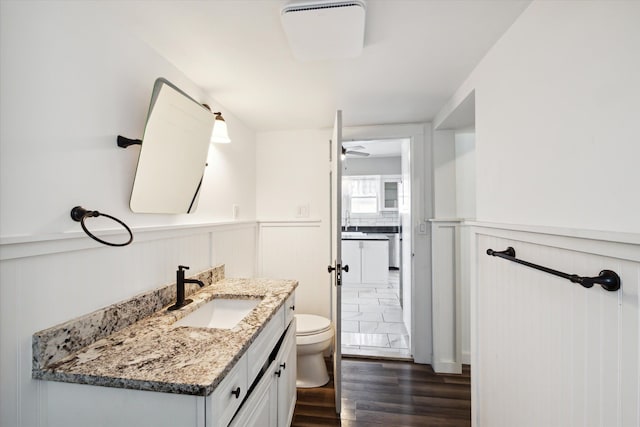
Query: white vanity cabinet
[
  {"x": 222, "y": 404},
  {"x": 273, "y": 400},
  {"x": 286, "y": 379},
  {"x": 260, "y": 390}
]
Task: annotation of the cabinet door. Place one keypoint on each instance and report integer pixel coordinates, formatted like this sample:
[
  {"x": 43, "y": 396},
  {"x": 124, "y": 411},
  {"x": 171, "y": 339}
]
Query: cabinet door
[
  {"x": 351, "y": 257},
  {"x": 261, "y": 408},
  {"x": 375, "y": 261},
  {"x": 222, "y": 404},
  {"x": 286, "y": 365},
  {"x": 391, "y": 194}
]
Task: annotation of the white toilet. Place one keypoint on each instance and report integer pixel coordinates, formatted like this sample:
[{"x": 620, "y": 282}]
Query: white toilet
[{"x": 314, "y": 335}]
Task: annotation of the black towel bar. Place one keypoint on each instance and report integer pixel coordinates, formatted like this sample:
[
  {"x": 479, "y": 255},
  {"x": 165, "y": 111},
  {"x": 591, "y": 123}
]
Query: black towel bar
[{"x": 608, "y": 279}]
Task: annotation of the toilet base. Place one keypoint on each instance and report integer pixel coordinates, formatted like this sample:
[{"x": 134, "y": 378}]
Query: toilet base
[{"x": 311, "y": 371}]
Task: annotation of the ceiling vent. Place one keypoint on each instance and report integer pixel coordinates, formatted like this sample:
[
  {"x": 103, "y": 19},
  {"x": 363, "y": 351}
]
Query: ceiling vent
[{"x": 324, "y": 29}]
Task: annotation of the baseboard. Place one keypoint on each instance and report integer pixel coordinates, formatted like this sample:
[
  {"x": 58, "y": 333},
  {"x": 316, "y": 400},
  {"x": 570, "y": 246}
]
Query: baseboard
[{"x": 447, "y": 367}]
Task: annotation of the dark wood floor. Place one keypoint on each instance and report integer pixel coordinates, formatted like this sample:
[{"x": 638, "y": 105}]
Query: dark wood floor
[{"x": 388, "y": 393}]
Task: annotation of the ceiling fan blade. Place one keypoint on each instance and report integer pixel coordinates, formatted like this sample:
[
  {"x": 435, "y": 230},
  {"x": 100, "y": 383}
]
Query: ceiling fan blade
[{"x": 356, "y": 153}]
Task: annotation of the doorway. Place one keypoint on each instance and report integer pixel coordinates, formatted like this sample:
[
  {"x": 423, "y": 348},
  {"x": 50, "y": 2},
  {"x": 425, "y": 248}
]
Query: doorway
[{"x": 376, "y": 291}]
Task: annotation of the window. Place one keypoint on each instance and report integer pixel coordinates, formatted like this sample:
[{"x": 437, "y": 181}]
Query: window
[{"x": 361, "y": 194}]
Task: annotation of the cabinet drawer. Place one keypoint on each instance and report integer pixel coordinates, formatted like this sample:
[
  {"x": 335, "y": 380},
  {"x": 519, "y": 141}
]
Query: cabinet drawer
[
  {"x": 289, "y": 309},
  {"x": 223, "y": 403},
  {"x": 263, "y": 345}
]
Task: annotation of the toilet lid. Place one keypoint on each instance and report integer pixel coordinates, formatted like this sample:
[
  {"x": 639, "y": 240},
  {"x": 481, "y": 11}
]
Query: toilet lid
[{"x": 307, "y": 324}]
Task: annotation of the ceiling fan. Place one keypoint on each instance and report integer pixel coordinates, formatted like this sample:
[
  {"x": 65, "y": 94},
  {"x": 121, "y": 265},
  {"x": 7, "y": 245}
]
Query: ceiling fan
[{"x": 352, "y": 151}]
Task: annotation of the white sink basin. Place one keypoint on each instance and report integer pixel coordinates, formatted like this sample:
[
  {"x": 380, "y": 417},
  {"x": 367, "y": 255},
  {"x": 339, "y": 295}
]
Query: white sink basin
[{"x": 219, "y": 313}]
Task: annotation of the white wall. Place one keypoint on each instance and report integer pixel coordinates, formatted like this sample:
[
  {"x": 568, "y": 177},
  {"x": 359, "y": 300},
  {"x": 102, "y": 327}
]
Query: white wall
[
  {"x": 465, "y": 147},
  {"x": 444, "y": 174},
  {"x": 556, "y": 118},
  {"x": 292, "y": 172},
  {"x": 465, "y": 154},
  {"x": 71, "y": 80},
  {"x": 372, "y": 166}
]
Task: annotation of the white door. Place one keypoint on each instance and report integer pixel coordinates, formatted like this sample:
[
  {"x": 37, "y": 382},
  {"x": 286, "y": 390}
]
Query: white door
[{"x": 335, "y": 268}]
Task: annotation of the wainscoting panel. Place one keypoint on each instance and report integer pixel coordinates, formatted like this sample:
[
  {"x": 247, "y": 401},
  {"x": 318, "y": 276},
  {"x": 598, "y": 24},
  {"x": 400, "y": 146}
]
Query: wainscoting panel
[
  {"x": 548, "y": 352},
  {"x": 298, "y": 250},
  {"x": 446, "y": 297},
  {"x": 46, "y": 282}
]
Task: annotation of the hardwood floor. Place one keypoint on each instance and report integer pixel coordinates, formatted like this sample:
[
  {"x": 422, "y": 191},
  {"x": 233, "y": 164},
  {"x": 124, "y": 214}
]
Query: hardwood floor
[{"x": 388, "y": 393}]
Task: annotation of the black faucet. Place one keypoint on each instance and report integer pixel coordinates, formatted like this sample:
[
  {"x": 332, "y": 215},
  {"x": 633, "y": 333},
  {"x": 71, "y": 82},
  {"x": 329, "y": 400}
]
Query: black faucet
[{"x": 180, "y": 281}]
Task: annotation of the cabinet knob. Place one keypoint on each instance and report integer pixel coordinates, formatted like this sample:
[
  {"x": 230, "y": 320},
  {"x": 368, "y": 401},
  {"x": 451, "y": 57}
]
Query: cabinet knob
[
  {"x": 283, "y": 365},
  {"x": 278, "y": 373},
  {"x": 293, "y": 307},
  {"x": 236, "y": 392}
]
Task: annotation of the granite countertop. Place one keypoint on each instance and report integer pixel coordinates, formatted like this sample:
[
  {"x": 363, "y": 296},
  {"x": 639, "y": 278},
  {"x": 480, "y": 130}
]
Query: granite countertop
[
  {"x": 379, "y": 229},
  {"x": 362, "y": 236},
  {"x": 152, "y": 354}
]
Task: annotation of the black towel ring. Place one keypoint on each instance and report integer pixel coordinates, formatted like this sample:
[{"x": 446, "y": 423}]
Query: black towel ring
[{"x": 79, "y": 214}]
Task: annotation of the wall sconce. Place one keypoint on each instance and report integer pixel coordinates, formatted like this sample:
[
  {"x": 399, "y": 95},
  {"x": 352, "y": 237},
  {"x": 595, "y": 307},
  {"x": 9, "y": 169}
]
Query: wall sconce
[{"x": 220, "y": 135}]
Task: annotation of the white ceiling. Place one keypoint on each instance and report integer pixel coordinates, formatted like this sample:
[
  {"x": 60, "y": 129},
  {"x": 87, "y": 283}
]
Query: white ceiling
[
  {"x": 416, "y": 54},
  {"x": 376, "y": 147}
]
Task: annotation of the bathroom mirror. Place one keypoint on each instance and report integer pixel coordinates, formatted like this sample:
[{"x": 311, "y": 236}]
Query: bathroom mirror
[{"x": 174, "y": 152}]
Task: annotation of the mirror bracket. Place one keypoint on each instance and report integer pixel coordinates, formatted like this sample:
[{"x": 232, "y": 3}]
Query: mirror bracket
[{"x": 126, "y": 142}]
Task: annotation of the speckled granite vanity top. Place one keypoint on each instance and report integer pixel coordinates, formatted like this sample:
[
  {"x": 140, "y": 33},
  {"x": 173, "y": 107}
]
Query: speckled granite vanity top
[{"x": 152, "y": 354}]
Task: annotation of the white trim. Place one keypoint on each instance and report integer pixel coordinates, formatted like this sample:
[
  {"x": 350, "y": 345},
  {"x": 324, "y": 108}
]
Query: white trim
[
  {"x": 609, "y": 236},
  {"x": 33, "y": 245},
  {"x": 611, "y": 244},
  {"x": 290, "y": 223},
  {"x": 446, "y": 367}
]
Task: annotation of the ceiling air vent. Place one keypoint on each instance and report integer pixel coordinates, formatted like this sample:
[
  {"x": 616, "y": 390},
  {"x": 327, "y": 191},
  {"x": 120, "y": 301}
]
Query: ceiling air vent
[{"x": 324, "y": 29}]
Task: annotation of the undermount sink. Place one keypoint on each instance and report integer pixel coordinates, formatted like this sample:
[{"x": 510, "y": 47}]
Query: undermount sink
[{"x": 220, "y": 313}]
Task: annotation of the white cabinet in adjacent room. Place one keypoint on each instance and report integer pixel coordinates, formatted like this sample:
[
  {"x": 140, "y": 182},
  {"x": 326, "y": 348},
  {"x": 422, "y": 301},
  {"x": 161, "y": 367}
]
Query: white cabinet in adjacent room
[
  {"x": 391, "y": 193},
  {"x": 351, "y": 257},
  {"x": 367, "y": 258},
  {"x": 375, "y": 261}
]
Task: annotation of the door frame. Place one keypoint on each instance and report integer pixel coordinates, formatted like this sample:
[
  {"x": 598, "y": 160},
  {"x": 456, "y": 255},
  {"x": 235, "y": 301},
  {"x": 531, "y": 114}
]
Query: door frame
[{"x": 421, "y": 210}]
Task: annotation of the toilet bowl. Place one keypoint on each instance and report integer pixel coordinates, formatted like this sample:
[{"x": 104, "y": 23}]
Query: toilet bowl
[{"x": 314, "y": 335}]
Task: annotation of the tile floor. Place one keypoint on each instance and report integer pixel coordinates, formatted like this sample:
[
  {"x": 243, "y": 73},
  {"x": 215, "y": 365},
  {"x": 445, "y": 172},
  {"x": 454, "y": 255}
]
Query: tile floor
[{"x": 372, "y": 320}]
